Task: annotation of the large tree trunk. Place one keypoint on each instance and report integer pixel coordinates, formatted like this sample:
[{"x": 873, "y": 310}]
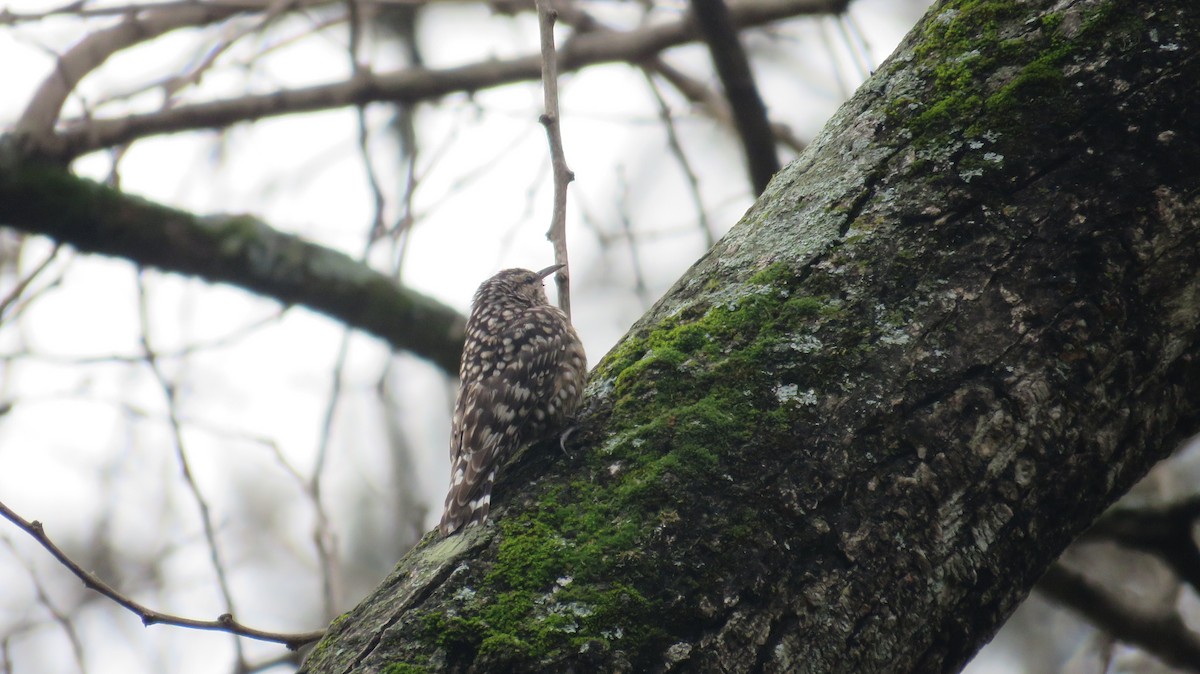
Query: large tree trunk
[{"x": 854, "y": 435}]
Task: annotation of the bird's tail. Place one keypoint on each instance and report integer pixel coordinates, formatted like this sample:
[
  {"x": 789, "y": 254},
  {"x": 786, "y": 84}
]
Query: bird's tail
[{"x": 467, "y": 506}]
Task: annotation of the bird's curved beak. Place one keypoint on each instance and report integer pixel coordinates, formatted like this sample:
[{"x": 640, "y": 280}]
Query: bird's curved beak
[{"x": 549, "y": 270}]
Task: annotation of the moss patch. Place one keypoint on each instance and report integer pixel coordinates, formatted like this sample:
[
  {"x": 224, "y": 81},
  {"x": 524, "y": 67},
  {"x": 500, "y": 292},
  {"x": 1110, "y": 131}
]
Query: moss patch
[
  {"x": 405, "y": 668},
  {"x": 985, "y": 83},
  {"x": 965, "y": 43},
  {"x": 986, "y": 74}
]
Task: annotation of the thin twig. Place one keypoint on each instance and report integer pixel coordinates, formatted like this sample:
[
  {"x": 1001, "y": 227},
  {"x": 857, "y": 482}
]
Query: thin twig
[
  {"x": 693, "y": 182},
  {"x": 860, "y": 51},
  {"x": 140, "y": 24},
  {"x": 323, "y": 537},
  {"x": 415, "y": 84},
  {"x": 713, "y": 104},
  {"x": 232, "y": 32},
  {"x": 639, "y": 278},
  {"x": 42, "y": 113},
  {"x": 378, "y": 200},
  {"x": 76, "y": 9},
  {"x": 21, "y": 285},
  {"x": 405, "y": 482},
  {"x": 405, "y": 126},
  {"x": 399, "y": 232},
  {"x": 63, "y": 620},
  {"x": 202, "y": 508},
  {"x": 234, "y": 336},
  {"x": 835, "y": 63},
  {"x": 223, "y": 623},
  {"x": 563, "y": 176}
]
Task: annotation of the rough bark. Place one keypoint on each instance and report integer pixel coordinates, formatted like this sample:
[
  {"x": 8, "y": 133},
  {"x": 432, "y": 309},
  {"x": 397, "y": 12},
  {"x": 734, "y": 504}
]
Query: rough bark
[{"x": 854, "y": 435}]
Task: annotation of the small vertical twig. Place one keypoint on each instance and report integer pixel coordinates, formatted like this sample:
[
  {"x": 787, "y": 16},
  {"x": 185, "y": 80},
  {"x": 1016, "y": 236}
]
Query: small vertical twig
[
  {"x": 563, "y": 176},
  {"x": 62, "y": 619},
  {"x": 639, "y": 279},
  {"x": 324, "y": 538}
]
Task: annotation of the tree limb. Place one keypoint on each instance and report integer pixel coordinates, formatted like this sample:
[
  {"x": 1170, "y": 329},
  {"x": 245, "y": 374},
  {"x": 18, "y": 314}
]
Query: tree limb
[
  {"x": 1165, "y": 636},
  {"x": 413, "y": 84},
  {"x": 223, "y": 623},
  {"x": 239, "y": 250},
  {"x": 41, "y": 113},
  {"x": 733, "y": 67},
  {"x": 712, "y": 103},
  {"x": 1165, "y": 532}
]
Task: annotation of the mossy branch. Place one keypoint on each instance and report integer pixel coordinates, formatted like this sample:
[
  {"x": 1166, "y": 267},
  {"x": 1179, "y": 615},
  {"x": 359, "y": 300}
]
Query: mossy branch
[{"x": 236, "y": 249}]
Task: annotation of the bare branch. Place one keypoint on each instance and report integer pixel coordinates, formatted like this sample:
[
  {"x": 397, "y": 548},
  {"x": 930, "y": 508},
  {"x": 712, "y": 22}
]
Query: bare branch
[
  {"x": 141, "y": 23},
  {"x": 693, "y": 182},
  {"x": 202, "y": 507},
  {"x": 558, "y": 158},
  {"x": 323, "y": 536},
  {"x": 1164, "y": 636},
  {"x": 62, "y": 619},
  {"x": 15, "y": 294},
  {"x": 1163, "y": 532},
  {"x": 78, "y": 8},
  {"x": 240, "y": 250},
  {"x": 416, "y": 84},
  {"x": 223, "y": 623},
  {"x": 713, "y": 104},
  {"x": 733, "y": 67},
  {"x": 41, "y": 114}
]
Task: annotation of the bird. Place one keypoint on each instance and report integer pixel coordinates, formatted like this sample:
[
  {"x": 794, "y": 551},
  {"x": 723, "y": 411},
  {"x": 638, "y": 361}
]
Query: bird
[{"x": 520, "y": 380}]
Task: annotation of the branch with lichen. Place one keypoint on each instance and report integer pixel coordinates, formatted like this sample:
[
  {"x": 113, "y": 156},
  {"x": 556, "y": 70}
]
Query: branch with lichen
[{"x": 240, "y": 250}]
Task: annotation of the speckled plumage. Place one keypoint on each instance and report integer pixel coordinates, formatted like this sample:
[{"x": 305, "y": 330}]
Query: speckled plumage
[{"x": 521, "y": 378}]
